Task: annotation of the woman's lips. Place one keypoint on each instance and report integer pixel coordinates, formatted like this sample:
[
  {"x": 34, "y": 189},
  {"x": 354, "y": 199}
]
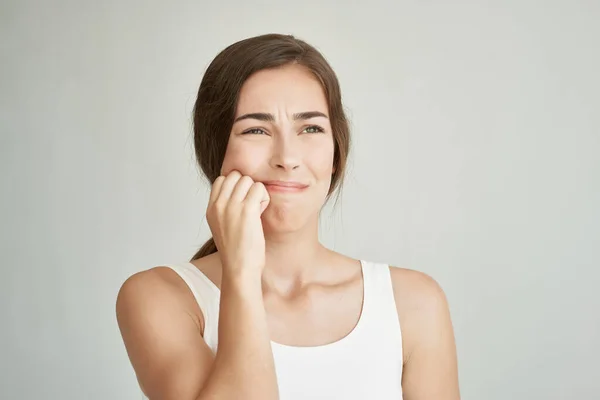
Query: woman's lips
[{"x": 284, "y": 186}]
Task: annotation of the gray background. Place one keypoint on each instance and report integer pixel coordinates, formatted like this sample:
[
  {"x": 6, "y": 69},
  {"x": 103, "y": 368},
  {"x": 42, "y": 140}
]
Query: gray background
[{"x": 475, "y": 160}]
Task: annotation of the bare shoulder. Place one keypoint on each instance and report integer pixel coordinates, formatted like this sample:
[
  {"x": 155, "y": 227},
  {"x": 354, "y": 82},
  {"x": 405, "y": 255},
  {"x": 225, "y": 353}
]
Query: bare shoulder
[
  {"x": 161, "y": 329},
  {"x": 150, "y": 288},
  {"x": 430, "y": 360},
  {"x": 422, "y": 307},
  {"x": 152, "y": 294},
  {"x": 416, "y": 290}
]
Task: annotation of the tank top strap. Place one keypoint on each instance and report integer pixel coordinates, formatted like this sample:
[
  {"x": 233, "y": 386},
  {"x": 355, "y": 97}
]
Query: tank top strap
[
  {"x": 380, "y": 303},
  {"x": 207, "y": 295}
]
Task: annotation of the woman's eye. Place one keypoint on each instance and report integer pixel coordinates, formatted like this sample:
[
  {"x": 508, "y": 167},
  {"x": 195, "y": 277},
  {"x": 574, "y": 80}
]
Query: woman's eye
[
  {"x": 254, "y": 131},
  {"x": 314, "y": 129}
]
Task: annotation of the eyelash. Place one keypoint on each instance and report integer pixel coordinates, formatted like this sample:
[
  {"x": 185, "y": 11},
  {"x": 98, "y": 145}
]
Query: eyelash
[{"x": 316, "y": 127}]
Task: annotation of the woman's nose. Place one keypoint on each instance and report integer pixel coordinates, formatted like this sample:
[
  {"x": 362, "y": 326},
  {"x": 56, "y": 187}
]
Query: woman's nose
[{"x": 286, "y": 155}]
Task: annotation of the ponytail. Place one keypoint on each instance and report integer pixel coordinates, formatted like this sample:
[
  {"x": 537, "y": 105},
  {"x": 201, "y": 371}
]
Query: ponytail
[{"x": 208, "y": 248}]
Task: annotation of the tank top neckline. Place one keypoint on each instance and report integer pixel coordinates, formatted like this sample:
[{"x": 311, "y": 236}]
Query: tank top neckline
[{"x": 346, "y": 340}]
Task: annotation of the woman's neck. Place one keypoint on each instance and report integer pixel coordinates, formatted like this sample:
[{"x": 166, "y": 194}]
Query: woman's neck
[{"x": 292, "y": 258}]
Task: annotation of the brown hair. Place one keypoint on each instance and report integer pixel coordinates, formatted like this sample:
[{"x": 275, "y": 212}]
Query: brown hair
[{"x": 219, "y": 90}]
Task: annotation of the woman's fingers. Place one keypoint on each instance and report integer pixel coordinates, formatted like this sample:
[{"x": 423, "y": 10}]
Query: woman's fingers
[
  {"x": 258, "y": 196},
  {"x": 227, "y": 187},
  {"x": 216, "y": 189},
  {"x": 241, "y": 189}
]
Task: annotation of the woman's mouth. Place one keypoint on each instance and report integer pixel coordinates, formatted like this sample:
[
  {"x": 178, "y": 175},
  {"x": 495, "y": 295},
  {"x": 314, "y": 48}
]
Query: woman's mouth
[{"x": 284, "y": 186}]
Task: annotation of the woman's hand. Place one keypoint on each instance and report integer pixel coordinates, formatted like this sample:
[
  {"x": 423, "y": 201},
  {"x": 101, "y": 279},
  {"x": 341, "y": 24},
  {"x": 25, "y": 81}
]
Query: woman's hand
[{"x": 233, "y": 214}]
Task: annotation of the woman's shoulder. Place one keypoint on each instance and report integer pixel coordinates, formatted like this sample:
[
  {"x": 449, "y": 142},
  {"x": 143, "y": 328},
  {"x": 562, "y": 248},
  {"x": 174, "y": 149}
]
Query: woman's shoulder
[
  {"x": 155, "y": 290},
  {"x": 422, "y": 308},
  {"x": 409, "y": 282},
  {"x": 158, "y": 280},
  {"x": 415, "y": 286},
  {"x": 412, "y": 287},
  {"x": 166, "y": 279}
]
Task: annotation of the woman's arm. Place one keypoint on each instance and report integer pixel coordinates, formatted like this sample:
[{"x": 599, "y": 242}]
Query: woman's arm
[
  {"x": 430, "y": 361},
  {"x": 164, "y": 342}
]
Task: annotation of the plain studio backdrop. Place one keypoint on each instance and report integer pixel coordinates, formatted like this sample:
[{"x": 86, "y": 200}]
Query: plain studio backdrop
[{"x": 476, "y": 159}]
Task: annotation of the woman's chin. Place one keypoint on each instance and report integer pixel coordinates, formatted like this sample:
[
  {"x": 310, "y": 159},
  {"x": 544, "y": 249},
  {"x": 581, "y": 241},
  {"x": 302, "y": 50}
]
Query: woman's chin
[{"x": 283, "y": 219}]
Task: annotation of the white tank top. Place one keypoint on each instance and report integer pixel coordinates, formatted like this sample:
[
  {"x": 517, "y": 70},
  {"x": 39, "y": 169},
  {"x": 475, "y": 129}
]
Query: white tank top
[{"x": 365, "y": 364}]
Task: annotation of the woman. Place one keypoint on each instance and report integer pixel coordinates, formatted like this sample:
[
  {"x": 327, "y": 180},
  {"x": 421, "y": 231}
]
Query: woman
[{"x": 292, "y": 319}]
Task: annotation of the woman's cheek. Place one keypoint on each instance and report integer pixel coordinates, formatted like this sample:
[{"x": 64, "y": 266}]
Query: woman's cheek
[
  {"x": 323, "y": 160},
  {"x": 240, "y": 157}
]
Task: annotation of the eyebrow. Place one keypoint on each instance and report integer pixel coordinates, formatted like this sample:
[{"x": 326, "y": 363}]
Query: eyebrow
[{"x": 271, "y": 118}]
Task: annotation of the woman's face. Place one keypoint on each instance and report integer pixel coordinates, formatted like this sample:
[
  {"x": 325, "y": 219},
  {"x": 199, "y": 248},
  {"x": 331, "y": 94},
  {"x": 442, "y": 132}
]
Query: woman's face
[{"x": 282, "y": 135}]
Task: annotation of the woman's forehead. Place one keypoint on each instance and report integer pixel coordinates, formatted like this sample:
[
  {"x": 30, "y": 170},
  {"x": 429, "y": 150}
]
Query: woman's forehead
[{"x": 292, "y": 87}]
